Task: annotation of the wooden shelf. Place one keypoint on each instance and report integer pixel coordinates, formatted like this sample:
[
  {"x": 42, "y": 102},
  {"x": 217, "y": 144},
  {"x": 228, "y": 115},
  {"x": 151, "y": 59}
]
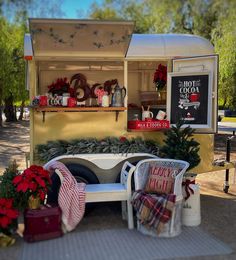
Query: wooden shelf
[{"x": 79, "y": 109}]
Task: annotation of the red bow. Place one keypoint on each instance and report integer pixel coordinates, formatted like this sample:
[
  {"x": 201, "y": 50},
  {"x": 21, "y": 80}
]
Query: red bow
[{"x": 188, "y": 189}]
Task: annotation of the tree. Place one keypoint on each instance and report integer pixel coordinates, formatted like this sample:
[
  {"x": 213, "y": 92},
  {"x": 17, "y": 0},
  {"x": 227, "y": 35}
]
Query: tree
[
  {"x": 5, "y": 56},
  {"x": 180, "y": 145},
  {"x": 12, "y": 67},
  {"x": 224, "y": 38},
  {"x": 12, "y": 74},
  {"x": 211, "y": 19}
]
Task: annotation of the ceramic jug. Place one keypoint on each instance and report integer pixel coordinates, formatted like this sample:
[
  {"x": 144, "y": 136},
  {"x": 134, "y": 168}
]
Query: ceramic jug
[{"x": 118, "y": 96}]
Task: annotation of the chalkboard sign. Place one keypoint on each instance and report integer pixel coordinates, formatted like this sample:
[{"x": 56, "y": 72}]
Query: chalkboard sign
[{"x": 190, "y": 98}]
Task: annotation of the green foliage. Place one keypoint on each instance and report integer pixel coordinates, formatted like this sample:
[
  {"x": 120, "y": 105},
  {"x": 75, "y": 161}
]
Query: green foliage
[
  {"x": 52, "y": 149},
  {"x": 180, "y": 144},
  {"x": 224, "y": 37},
  {"x": 7, "y": 189},
  {"x": 12, "y": 66},
  {"x": 211, "y": 19}
]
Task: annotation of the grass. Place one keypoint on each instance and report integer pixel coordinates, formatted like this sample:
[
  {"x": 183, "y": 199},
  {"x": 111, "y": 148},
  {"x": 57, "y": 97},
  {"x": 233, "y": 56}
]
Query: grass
[{"x": 229, "y": 119}]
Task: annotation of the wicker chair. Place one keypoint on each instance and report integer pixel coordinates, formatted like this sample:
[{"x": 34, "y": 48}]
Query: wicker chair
[{"x": 173, "y": 227}]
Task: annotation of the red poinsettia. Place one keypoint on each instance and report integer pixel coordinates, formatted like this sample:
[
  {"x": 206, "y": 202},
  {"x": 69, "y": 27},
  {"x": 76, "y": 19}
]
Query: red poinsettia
[
  {"x": 123, "y": 139},
  {"x": 60, "y": 86},
  {"x": 7, "y": 213},
  {"x": 160, "y": 76},
  {"x": 33, "y": 181}
]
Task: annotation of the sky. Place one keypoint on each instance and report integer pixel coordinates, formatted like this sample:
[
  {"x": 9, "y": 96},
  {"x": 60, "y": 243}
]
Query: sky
[{"x": 70, "y": 7}]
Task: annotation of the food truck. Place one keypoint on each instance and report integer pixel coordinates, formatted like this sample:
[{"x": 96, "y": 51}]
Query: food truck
[{"x": 111, "y": 71}]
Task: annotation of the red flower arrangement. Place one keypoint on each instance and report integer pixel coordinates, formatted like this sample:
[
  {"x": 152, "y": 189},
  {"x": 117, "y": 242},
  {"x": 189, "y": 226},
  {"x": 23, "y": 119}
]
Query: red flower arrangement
[
  {"x": 123, "y": 139},
  {"x": 8, "y": 215},
  {"x": 61, "y": 86},
  {"x": 160, "y": 77},
  {"x": 34, "y": 181}
]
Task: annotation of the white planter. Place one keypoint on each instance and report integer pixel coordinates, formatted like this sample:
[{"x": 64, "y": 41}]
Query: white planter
[{"x": 191, "y": 213}]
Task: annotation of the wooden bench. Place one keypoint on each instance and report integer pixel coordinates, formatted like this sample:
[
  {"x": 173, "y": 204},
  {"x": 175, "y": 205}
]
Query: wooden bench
[{"x": 113, "y": 192}]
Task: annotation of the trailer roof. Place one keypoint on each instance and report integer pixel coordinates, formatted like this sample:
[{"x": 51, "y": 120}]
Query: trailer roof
[
  {"x": 168, "y": 46},
  {"x": 80, "y": 38},
  {"x": 75, "y": 39}
]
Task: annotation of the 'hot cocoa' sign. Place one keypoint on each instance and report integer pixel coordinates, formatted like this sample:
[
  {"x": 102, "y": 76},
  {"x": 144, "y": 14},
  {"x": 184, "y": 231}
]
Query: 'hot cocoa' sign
[{"x": 190, "y": 98}]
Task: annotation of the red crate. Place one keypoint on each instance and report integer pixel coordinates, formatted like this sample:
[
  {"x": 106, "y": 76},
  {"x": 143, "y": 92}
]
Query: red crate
[{"x": 150, "y": 125}]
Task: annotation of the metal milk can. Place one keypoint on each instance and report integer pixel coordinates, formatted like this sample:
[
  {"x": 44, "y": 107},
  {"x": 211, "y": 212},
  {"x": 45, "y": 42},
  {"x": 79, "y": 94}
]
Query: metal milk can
[{"x": 118, "y": 96}]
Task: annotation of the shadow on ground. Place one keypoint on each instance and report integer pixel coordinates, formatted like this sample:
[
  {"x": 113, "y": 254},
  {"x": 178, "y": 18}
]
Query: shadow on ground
[{"x": 14, "y": 140}]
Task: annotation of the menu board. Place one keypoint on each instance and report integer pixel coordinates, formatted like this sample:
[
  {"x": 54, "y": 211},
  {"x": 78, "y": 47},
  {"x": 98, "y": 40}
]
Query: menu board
[{"x": 190, "y": 98}]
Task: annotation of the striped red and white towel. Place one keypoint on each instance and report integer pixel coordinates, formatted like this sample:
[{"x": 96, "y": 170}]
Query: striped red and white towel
[{"x": 71, "y": 197}]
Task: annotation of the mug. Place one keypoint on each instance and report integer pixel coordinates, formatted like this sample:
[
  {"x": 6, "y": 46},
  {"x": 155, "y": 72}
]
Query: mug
[
  {"x": 194, "y": 97},
  {"x": 43, "y": 100},
  {"x": 161, "y": 115},
  {"x": 147, "y": 114},
  {"x": 72, "y": 102}
]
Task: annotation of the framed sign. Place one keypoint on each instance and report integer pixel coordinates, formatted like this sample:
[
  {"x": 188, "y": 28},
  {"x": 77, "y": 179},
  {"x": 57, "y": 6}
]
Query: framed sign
[{"x": 189, "y": 98}]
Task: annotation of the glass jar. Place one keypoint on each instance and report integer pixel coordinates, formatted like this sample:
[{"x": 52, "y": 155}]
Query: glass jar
[
  {"x": 65, "y": 98},
  {"x": 135, "y": 117}
]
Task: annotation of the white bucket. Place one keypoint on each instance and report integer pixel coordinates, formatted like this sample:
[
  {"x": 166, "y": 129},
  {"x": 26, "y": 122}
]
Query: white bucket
[{"x": 191, "y": 213}]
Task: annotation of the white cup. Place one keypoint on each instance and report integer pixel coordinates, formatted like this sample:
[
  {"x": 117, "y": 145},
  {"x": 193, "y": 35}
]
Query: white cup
[
  {"x": 161, "y": 115},
  {"x": 147, "y": 114}
]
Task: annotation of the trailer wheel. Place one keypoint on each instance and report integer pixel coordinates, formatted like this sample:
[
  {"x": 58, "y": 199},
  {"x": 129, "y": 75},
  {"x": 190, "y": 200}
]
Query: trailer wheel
[{"x": 82, "y": 173}]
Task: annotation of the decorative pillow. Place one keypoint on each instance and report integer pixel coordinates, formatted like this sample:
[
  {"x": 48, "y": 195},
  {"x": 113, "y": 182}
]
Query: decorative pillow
[{"x": 160, "y": 180}]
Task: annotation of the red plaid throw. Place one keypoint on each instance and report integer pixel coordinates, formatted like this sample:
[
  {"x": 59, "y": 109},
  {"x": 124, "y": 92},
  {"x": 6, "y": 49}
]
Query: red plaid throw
[
  {"x": 71, "y": 198},
  {"x": 153, "y": 210}
]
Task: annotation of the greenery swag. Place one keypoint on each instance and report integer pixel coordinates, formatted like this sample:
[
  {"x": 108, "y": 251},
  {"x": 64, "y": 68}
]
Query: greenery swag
[{"x": 52, "y": 149}]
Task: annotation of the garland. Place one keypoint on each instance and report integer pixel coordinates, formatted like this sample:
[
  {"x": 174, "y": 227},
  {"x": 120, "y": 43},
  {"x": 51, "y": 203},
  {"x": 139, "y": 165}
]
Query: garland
[{"x": 46, "y": 152}]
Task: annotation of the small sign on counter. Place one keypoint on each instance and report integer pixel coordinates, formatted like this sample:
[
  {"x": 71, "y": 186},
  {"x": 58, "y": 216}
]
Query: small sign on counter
[{"x": 148, "y": 125}]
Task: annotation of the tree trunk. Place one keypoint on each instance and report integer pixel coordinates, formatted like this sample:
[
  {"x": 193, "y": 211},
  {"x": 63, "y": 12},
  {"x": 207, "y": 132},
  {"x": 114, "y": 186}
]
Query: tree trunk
[
  {"x": 22, "y": 106},
  {"x": 224, "y": 102},
  {"x": 9, "y": 110},
  {"x": 0, "y": 115}
]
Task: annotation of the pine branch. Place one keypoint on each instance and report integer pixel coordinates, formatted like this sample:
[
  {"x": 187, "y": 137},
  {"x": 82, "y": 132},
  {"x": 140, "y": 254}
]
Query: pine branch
[{"x": 113, "y": 145}]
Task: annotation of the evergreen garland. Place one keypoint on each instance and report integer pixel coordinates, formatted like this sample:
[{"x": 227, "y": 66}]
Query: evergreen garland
[
  {"x": 46, "y": 152},
  {"x": 180, "y": 145}
]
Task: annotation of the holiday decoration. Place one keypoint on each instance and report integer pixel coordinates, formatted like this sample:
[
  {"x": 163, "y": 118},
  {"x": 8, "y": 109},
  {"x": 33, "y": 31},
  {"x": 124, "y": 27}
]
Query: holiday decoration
[
  {"x": 60, "y": 86},
  {"x": 52, "y": 149},
  {"x": 180, "y": 145},
  {"x": 160, "y": 77},
  {"x": 33, "y": 182}
]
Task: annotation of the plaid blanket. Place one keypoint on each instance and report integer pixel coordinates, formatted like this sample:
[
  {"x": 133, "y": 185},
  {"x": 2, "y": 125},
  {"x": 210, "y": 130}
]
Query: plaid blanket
[
  {"x": 71, "y": 198},
  {"x": 153, "y": 210}
]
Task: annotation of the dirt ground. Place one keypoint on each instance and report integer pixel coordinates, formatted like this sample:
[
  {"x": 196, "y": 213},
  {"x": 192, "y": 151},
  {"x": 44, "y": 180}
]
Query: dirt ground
[{"x": 218, "y": 209}]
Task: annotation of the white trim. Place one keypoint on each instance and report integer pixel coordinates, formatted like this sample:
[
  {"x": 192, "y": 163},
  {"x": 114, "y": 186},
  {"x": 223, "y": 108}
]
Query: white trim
[{"x": 103, "y": 161}]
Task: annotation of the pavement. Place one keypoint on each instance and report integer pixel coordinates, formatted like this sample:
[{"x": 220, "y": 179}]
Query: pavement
[{"x": 218, "y": 209}]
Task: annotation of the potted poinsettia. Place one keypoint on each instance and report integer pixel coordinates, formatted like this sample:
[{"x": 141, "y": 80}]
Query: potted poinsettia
[
  {"x": 9, "y": 205},
  {"x": 33, "y": 185},
  {"x": 160, "y": 77},
  {"x": 8, "y": 215}
]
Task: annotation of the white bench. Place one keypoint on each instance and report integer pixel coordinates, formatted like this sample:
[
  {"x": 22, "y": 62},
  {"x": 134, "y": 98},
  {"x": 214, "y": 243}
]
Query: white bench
[{"x": 113, "y": 192}]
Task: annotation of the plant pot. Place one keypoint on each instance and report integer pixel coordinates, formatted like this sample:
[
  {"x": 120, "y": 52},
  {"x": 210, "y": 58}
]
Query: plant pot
[
  {"x": 6, "y": 240},
  {"x": 34, "y": 202}
]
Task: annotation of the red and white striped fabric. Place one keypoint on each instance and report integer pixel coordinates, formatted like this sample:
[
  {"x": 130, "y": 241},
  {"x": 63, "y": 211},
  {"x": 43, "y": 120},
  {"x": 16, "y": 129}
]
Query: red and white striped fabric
[{"x": 71, "y": 197}]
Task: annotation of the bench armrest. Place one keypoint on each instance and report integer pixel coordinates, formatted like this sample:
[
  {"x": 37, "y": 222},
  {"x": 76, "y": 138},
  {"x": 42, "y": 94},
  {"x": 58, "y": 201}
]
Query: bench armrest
[{"x": 126, "y": 175}]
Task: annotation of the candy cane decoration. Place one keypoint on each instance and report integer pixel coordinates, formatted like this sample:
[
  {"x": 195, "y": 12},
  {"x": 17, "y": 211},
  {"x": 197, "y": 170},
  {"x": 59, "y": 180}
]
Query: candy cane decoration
[{"x": 100, "y": 93}]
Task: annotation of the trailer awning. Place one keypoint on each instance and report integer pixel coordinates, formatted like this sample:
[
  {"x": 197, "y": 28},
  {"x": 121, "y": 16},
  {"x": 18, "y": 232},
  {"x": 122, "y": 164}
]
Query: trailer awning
[
  {"x": 55, "y": 38},
  {"x": 166, "y": 46}
]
